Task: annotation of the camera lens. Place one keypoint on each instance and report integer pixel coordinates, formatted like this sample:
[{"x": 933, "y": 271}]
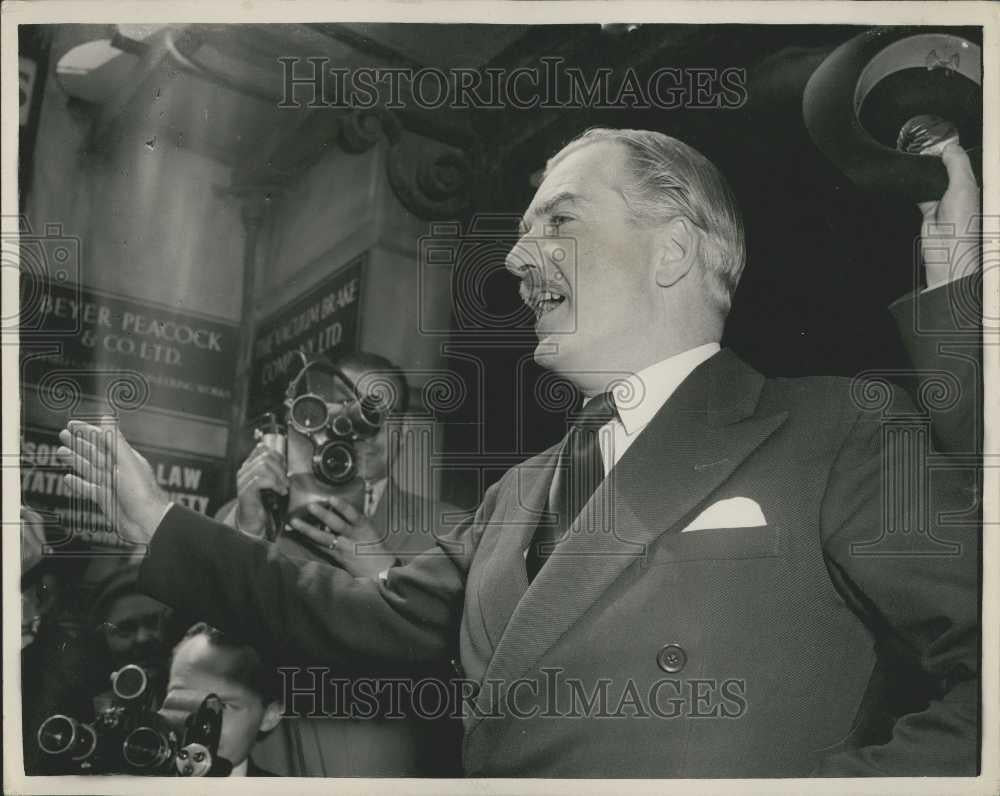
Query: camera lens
[
  {"x": 308, "y": 412},
  {"x": 146, "y": 747},
  {"x": 334, "y": 462},
  {"x": 61, "y": 735},
  {"x": 342, "y": 426},
  {"x": 130, "y": 682}
]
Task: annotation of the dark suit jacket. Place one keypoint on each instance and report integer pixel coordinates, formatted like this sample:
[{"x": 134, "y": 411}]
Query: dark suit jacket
[
  {"x": 340, "y": 746},
  {"x": 838, "y": 638},
  {"x": 943, "y": 334}
]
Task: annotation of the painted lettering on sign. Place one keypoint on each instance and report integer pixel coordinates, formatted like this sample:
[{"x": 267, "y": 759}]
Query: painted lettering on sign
[{"x": 324, "y": 320}]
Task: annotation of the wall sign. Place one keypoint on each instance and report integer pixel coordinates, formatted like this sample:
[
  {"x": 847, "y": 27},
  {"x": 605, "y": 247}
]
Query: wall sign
[
  {"x": 323, "y": 320},
  {"x": 193, "y": 481},
  {"x": 179, "y": 362}
]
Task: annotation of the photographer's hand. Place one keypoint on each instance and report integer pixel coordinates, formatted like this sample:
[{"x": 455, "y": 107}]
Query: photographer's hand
[
  {"x": 349, "y": 537},
  {"x": 956, "y": 209},
  {"x": 264, "y": 468},
  {"x": 114, "y": 475}
]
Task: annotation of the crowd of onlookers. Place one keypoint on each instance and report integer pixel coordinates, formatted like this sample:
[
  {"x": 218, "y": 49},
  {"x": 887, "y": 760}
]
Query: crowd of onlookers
[
  {"x": 85, "y": 616},
  {"x": 83, "y": 619}
]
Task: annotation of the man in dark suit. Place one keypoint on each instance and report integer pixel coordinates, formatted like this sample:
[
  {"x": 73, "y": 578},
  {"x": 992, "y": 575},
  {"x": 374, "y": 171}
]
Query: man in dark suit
[
  {"x": 733, "y": 587},
  {"x": 380, "y": 525}
]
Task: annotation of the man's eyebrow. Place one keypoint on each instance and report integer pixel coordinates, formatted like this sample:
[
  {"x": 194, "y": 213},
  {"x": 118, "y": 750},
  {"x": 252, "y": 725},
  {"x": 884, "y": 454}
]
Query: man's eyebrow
[{"x": 549, "y": 205}]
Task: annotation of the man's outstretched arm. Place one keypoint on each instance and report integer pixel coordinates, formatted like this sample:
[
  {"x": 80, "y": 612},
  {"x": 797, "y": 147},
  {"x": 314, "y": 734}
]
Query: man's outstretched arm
[
  {"x": 247, "y": 587},
  {"x": 302, "y": 608}
]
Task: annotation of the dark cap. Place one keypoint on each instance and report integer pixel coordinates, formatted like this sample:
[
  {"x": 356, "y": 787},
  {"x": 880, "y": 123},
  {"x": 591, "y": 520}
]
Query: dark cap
[{"x": 119, "y": 583}]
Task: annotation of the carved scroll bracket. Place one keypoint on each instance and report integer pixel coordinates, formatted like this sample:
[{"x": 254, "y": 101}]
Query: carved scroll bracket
[{"x": 431, "y": 180}]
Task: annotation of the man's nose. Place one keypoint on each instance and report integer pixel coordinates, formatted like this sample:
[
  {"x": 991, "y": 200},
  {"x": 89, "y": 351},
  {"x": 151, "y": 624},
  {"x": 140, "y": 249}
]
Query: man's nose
[
  {"x": 524, "y": 259},
  {"x": 144, "y": 634}
]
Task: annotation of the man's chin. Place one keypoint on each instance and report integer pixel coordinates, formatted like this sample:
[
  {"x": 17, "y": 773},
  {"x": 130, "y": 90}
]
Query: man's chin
[
  {"x": 545, "y": 357},
  {"x": 546, "y": 349},
  {"x": 551, "y": 352}
]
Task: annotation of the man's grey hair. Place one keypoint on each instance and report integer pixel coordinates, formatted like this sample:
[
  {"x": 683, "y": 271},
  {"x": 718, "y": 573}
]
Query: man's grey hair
[{"x": 670, "y": 178}]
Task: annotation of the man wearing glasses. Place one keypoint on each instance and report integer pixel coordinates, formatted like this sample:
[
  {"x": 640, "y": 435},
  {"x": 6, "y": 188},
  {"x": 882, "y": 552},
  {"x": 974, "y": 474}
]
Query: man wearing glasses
[{"x": 132, "y": 628}]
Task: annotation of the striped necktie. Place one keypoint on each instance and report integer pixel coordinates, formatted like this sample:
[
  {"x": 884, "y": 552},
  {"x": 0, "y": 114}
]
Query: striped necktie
[{"x": 581, "y": 468}]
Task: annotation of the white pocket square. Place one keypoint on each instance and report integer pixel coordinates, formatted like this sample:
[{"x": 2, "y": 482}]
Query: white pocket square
[{"x": 737, "y": 512}]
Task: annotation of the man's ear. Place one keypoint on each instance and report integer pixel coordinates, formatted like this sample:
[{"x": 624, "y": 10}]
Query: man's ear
[
  {"x": 677, "y": 251},
  {"x": 272, "y": 715}
]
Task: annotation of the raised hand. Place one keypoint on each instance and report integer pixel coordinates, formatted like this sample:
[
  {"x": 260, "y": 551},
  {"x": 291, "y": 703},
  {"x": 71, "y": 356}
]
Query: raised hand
[
  {"x": 264, "y": 468},
  {"x": 113, "y": 474},
  {"x": 957, "y": 208}
]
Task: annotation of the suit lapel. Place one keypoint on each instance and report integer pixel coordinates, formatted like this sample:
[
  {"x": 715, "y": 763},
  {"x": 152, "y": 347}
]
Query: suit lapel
[
  {"x": 696, "y": 440},
  {"x": 504, "y": 579}
]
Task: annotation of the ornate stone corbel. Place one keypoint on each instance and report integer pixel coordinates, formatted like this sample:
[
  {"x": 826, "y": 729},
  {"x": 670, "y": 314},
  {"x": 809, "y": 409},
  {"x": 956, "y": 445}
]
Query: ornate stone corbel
[{"x": 431, "y": 185}]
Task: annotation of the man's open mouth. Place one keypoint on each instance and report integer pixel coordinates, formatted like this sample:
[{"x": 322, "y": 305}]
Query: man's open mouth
[{"x": 543, "y": 302}]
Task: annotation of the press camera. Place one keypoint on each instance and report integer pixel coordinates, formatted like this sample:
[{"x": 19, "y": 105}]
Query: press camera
[{"x": 131, "y": 737}]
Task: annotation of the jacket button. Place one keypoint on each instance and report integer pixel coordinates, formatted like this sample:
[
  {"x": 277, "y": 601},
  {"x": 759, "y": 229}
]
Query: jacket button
[{"x": 671, "y": 658}]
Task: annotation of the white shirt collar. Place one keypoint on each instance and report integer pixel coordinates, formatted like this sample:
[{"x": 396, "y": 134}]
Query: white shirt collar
[
  {"x": 643, "y": 393},
  {"x": 377, "y": 490}
]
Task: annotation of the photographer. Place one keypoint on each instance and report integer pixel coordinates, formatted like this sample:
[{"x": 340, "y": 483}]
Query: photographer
[
  {"x": 207, "y": 662},
  {"x": 131, "y": 628},
  {"x": 379, "y": 525},
  {"x": 373, "y": 493},
  {"x": 87, "y": 626}
]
